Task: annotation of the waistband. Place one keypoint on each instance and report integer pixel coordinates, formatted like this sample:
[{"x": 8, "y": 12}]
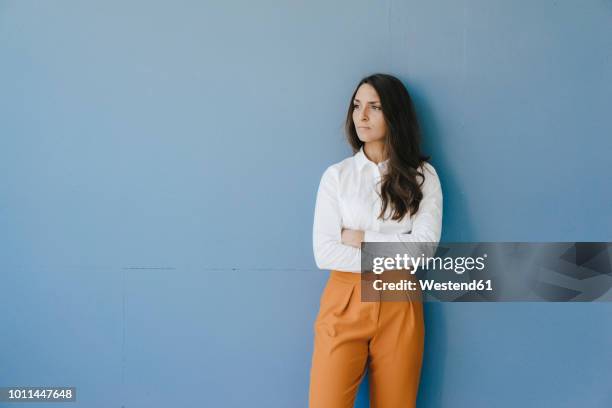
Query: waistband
[
  {"x": 352, "y": 277},
  {"x": 389, "y": 276}
]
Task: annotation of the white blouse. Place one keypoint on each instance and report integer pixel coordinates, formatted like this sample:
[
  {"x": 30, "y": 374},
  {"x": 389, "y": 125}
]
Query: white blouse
[{"x": 347, "y": 198}]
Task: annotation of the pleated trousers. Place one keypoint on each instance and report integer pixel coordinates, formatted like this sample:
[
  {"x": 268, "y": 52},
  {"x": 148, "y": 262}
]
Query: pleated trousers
[{"x": 350, "y": 335}]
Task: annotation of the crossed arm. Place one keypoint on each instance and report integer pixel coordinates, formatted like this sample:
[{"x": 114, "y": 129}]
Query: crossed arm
[{"x": 339, "y": 248}]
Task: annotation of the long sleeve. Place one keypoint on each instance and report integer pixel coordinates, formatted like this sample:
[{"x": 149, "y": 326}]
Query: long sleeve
[
  {"x": 329, "y": 251},
  {"x": 427, "y": 222}
]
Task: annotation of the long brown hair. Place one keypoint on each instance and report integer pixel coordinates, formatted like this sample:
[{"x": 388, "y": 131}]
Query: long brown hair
[{"x": 399, "y": 186}]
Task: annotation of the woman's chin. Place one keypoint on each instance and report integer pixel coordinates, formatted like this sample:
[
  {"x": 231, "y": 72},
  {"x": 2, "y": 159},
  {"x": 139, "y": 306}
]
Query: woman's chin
[{"x": 368, "y": 138}]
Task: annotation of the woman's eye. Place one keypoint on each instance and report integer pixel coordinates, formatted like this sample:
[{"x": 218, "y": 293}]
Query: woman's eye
[{"x": 373, "y": 107}]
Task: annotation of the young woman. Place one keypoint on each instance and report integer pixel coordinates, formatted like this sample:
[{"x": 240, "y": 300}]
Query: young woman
[{"x": 385, "y": 192}]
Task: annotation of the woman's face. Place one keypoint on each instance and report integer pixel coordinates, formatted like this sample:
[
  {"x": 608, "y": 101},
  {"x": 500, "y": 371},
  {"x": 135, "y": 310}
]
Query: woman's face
[{"x": 367, "y": 115}]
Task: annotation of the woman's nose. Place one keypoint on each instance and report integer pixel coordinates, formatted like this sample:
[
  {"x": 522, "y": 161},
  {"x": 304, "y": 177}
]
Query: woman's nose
[{"x": 362, "y": 115}]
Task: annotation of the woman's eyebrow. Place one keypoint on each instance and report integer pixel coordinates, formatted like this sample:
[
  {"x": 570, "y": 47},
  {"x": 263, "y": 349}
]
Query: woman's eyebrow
[{"x": 372, "y": 102}]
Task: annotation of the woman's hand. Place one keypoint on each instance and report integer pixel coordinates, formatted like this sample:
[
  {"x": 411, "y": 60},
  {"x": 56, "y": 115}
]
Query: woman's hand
[{"x": 352, "y": 237}]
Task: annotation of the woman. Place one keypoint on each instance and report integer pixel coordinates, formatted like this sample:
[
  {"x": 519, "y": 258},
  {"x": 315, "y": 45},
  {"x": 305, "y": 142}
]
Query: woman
[{"x": 385, "y": 192}]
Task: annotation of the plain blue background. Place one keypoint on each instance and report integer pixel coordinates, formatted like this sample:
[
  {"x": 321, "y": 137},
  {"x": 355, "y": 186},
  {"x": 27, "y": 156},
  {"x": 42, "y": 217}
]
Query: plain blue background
[{"x": 158, "y": 169}]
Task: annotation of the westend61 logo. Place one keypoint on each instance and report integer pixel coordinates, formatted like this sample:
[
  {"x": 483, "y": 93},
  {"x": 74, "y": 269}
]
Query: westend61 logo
[{"x": 456, "y": 264}]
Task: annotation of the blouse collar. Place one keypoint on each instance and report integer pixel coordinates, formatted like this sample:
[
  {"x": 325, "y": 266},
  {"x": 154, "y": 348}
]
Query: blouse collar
[{"x": 362, "y": 160}]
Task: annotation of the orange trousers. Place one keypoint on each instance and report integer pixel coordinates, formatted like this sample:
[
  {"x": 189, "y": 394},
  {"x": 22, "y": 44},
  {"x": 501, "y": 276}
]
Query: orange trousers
[{"x": 387, "y": 337}]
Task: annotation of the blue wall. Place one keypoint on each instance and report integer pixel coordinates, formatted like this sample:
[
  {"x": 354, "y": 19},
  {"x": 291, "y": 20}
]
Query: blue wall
[{"x": 158, "y": 169}]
